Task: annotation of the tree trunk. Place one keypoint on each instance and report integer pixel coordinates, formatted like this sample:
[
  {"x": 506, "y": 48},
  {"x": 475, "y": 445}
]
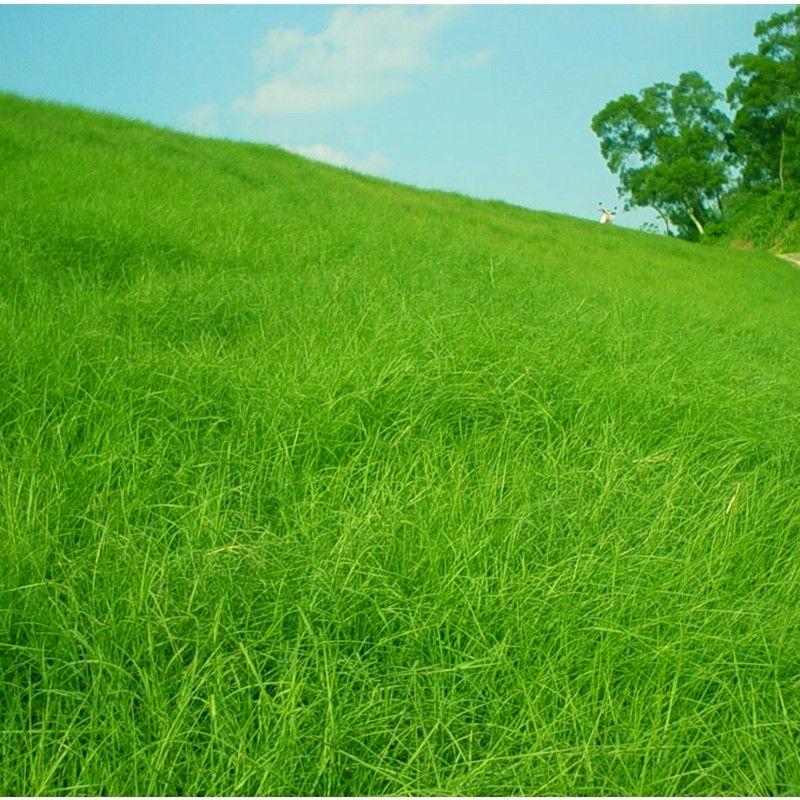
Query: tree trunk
[
  {"x": 666, "y": 221},
  {"x": 783, "y": 151},
  {"x": 697, "y": 223}
]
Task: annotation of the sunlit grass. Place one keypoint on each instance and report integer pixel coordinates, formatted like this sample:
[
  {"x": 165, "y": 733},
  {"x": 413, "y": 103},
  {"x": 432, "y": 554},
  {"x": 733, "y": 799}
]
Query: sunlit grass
[{"x": 314, "y": 484}]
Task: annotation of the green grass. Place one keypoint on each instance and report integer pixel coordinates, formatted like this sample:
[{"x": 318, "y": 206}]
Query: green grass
[
  {"x": 767, "y": 218},
  {"x": 315, "y": 484}
]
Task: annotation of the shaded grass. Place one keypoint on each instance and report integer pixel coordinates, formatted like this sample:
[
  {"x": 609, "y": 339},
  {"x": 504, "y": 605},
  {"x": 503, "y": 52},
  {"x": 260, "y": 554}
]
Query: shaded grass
[{"x": 315, "y": 484}]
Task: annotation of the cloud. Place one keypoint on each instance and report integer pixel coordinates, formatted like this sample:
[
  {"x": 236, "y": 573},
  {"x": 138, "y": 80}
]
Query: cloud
[
  {"x": 363, "y": 55},
  {"x": 375, "y": 163},
  {"x": 202, "y": 120}
]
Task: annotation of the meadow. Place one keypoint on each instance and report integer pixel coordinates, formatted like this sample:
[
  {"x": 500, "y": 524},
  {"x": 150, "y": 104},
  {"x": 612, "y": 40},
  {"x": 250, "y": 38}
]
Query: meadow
[{"x": 311, "y": 483}]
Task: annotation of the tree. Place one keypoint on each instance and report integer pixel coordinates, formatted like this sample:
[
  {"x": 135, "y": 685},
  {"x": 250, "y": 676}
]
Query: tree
[
  {"x": 765, "y": 94},
  {"x": 669, "y": 148}
]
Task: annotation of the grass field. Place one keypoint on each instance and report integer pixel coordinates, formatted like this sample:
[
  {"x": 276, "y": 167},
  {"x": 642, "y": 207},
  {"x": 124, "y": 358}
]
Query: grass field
[{"x": 315, "y": 484}]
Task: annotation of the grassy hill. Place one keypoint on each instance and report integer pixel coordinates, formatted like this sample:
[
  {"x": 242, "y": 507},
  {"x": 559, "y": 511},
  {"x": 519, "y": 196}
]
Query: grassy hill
[
  {"x": 315, "y": 484},
  {"x": 764, "y": 218}
]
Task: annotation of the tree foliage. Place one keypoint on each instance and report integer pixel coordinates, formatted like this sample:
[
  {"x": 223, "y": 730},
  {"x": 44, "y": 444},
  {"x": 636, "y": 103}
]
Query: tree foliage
[
  {"x": 765, "y": 93},
  {"x": 669, "y": 147}
]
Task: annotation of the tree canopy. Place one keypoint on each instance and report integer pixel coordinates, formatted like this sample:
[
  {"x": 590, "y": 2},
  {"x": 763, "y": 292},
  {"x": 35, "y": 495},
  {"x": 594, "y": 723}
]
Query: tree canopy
[
  {"x": 669, "y": 147},
  {"x": 765, "y": 94}
]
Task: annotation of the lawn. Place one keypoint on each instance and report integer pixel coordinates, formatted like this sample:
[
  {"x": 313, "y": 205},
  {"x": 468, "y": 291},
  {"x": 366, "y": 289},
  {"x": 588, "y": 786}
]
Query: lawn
[{"x": 311, "y": 483}]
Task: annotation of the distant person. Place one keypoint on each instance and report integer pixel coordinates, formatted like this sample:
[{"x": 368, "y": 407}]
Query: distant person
[{"x": 606, "y": 216}]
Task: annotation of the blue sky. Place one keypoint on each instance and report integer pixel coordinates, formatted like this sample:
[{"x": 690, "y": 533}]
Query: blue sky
[{"x": 492, "y": 101}]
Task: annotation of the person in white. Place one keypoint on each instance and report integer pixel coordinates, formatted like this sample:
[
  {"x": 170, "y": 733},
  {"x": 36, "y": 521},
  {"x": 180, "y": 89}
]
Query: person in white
[{"x": 606, "y": 216}]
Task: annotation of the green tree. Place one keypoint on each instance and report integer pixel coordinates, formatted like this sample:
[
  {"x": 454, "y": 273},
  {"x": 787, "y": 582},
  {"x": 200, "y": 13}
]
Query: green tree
[
  {"x": 765, "y": 94},
  {"x": 669, "y": 148}
]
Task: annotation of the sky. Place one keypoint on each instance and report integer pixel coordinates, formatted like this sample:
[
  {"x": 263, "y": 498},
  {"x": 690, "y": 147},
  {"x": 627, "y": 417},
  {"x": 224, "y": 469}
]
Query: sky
[{"x": 490, "y": 101}]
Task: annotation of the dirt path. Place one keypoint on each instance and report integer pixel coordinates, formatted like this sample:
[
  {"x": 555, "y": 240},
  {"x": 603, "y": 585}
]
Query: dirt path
[{"x": 792, "y": 258}]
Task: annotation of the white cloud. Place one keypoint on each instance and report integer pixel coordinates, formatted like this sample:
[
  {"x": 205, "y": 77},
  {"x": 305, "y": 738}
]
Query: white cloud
[
  {"x": 364, "y": 54},
  {"x": 280, "y": 46},
  {"x": 375, "y": 163},
  {"x": 202, "y": 119}
]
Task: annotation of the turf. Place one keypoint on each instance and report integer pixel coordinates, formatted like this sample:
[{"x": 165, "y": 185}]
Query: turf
[{"x": 315, "y": 484}]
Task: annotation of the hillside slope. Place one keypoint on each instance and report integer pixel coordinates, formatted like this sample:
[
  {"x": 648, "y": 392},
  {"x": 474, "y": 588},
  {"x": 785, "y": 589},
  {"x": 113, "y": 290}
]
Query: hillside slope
[
  {"x": 315, "y": 484},
  {"x": 763, "y": 218}
]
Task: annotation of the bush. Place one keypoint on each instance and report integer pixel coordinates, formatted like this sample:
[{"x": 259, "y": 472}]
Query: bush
[{"x": 765, "y": 218}]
